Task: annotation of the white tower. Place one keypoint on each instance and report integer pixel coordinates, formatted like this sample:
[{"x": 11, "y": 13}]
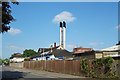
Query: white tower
[
  {"x": 61, "y": 34},
  {"x": 64, "y": 34}
]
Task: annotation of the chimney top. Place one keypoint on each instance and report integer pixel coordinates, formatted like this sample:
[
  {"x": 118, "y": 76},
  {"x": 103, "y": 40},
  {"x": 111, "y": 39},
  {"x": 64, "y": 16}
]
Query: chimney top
[
  {"x": 60, "y": 24},
  {"x": 55, "y": 44},
  {"x": 64, "y": 24}
]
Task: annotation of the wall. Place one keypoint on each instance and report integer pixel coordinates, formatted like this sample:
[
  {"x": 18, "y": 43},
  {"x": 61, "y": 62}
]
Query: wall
[
  {"x": 98, "y": 55},
  {"x": 17, "y": 65},
  {"x": 87, "y": 55},
  {"x": 17, "y": 59}
]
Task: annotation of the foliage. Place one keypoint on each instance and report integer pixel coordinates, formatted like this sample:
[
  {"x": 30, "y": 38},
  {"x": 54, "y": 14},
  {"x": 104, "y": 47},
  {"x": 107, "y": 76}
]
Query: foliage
[
  {"x": 7, "y": 18},
  {"x": 100, "y": 68},
  {"x": 84, "y": 66},
  {"x": 26, "y": 59},
  {"x": 112, "y": 75},
  {"x": 0, "y": 61},
  {"x": 28, "y": 53},
  {"x": 6, "y": 61}
]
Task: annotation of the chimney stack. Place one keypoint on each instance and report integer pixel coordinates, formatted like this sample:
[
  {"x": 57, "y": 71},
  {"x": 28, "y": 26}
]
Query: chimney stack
[
  {"x": 55, "y": 44},
  {"x": 61, "y": 34},
  {"x": 64, "y": 34}
]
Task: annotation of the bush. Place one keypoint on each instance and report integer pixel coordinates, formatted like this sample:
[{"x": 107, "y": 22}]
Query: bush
[
  {"x": 100, "y": 68},
  {"x": 26, "y": 59},
  {"x": 84, "y": 66}
]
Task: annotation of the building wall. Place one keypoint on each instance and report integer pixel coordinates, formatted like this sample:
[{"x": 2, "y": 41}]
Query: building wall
[
  {"x": 60, "y": 47},
  {"x": 15, "y": 59},
  {"x": 50, "y": 57},
  {"x": 39, "y": 58},
  {"x": 17, "y": 65},
  {"x": 84, "y": 55},
  {"x": 112, "y": 54},
  {"x": 98, "y": 55}
]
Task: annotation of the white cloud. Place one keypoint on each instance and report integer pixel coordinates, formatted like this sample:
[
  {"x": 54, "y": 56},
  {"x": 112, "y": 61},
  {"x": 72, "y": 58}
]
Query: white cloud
[
  {"x": 13, "y": 31},
  {"x": 94, "y": 44},
  {"x": 15, "y": 48},
  {"x": 70, "y": 46},
  {"x": 64, "y": 16}
]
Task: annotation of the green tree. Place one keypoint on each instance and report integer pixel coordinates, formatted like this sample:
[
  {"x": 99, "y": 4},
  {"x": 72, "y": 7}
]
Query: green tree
[
  {"x": 0, "y": 61},
  {"x": 7, "y": 18},
  {"x": 28, "y": 53},
  {"x": 6, "y": 61}
]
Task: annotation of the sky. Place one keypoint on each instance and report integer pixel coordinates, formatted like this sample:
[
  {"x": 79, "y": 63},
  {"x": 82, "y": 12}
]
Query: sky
[
  {"x": 89, "y": 24},
  {"x": 68, "y": 0}
]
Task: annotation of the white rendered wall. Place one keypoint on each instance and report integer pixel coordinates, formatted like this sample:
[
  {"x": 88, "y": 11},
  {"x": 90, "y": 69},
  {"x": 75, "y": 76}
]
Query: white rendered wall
[{"x": 17, "y": 60}]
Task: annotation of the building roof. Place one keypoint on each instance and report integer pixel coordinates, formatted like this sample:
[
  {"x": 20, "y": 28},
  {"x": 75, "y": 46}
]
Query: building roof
[
  {"x": 84, "y": 48},
  {"x": 43, "y": 50},
  {"x": 35, "y": 55},
  {"x": 113, "y": 48},
  {"x": 16, "y": 55},
  {"x": 85, "y": 52},
  {"x": 61, "y": 53},
  {"x": 81, "y": 50}
]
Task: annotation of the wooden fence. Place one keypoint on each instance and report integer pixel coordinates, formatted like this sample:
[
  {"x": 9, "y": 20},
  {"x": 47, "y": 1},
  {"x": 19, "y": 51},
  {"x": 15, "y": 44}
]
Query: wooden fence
[{"x": 61, "y": 66}]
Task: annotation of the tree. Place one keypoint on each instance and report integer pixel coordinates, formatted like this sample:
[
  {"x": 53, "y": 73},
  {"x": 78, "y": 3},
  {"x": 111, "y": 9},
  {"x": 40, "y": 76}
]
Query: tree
[
  {"x": 6, "y": 61},
  {"x": 28, "y": 53},
  {"x": 0, "y": 61},
  {"x": 7, "y": 18}
]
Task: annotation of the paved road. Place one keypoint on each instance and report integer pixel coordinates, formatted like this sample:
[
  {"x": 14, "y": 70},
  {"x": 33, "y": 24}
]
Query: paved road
[
  {"x": 21, "y": 74},
  {"x": 15, "y": 73}
]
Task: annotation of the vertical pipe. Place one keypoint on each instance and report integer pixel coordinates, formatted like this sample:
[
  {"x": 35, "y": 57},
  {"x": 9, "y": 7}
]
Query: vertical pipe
[
  {"x": 61, "y": 33},
  {"x": 64, "y": 34}
]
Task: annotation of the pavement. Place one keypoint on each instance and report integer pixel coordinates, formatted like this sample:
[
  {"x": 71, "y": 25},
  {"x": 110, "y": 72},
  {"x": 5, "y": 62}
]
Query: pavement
[{"x": 21, "y": 74}]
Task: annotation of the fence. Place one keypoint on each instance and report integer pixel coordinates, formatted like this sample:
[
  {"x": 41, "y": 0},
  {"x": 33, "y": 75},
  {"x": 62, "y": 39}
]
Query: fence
[
  {"x": 64, "y": 66},
  {"x": 61, "y": 66}
]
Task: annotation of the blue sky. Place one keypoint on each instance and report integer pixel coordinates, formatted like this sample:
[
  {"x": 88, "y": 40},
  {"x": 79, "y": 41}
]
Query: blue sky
[{"x": 89, "y": 24}]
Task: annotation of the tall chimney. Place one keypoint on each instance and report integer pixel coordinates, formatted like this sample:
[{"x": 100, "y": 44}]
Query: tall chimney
[
  {"x": 55, "y": 44},
  {"x": 61, "y": 34},
  {"x": 64, "y": 34}
]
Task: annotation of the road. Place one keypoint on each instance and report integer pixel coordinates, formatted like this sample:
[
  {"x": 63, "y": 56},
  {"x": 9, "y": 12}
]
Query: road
[
  {"x": 8, "y": 72},
  {"x": 23, "y": 74}
]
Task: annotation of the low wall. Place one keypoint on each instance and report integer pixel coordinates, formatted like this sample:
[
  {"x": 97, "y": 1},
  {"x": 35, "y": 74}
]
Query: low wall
[{"x": 17, "y": 65}]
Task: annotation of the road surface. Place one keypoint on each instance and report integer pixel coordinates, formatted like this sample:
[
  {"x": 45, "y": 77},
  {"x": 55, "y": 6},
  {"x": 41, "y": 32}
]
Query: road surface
[
  {"x": 23, "y": 74},
  {"x": 8, "y": 72}
]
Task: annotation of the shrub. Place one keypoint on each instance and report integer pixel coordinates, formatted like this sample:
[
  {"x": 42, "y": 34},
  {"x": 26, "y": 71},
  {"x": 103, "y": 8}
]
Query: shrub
[
  {"x": 26, "y": 59},
  {"x": 84, "y": 66},
  {"x": 100, "y": 68}
]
